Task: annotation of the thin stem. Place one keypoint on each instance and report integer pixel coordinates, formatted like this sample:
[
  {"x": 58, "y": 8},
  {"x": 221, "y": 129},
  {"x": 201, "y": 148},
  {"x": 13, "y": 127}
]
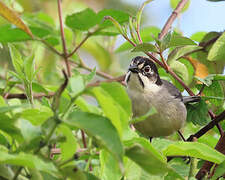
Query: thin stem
[
  {"x": 181, "y": 135},
  {"x": 66, "y": 161},
  {"x": 40, "y": 147},
  {"x": 63, "y": 39},
  {"x": 125, "y": 37},
  {"x": 17, "y": 173},
  {"x": 83, "y": 138},
  {"x": 100, "y": 73},
  {"x": 164, "y": 62},
  {"x": 172, "y": 17},
  {"x": 50, "y": 47},
  {"x": 192, "y": 168},
  {"x": 209, "y": 126},
  {"x": 82, "y": 42}
]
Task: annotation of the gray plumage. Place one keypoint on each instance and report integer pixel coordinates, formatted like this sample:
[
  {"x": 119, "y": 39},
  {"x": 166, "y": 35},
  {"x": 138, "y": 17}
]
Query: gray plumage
[{"x": 147, "y": 90}]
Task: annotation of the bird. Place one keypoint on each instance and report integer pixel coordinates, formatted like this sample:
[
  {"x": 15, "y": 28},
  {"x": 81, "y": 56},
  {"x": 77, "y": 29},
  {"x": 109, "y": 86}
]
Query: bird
[{"x": 147, "y": 90}]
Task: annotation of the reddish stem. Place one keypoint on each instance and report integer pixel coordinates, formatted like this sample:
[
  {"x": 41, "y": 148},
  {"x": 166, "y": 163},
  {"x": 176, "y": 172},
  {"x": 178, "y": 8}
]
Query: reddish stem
[{"x": 63, "y": 39}]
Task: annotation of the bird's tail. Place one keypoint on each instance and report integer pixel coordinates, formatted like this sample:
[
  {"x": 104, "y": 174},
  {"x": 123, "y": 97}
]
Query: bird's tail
[{"x": 191, "y": 99}]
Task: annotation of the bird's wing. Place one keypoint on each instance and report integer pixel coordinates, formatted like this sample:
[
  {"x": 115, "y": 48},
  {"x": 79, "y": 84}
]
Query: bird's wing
[
  {"x": 172, "y": 89},
  {"x": 191, "y": 99}
]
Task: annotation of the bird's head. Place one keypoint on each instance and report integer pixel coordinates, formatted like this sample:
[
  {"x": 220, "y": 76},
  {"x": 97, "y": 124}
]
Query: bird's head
[{"x": 142, "y": 72}]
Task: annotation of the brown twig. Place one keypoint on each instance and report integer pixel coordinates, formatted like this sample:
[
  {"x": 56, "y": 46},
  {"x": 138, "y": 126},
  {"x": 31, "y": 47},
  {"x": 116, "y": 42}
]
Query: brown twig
[
  {"x": 119, "y": 79},
  {"x": 205, "y": 169},
  {"x": 23, "y": 95},
  {"x": 172, "y": 17},
  {"x": 63, "y": 39},
  {"x": 209, "y": 126},
  {"x": 211, "y": 41},
  {"x": 83, "y": 139}
]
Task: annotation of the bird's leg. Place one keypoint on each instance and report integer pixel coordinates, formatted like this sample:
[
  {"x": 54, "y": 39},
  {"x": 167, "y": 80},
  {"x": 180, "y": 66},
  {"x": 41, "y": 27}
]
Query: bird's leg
[
  {"x": 186, "y": 159},
  {"x": 150, "y": 139},
  {"x": 181, "y": 135}
]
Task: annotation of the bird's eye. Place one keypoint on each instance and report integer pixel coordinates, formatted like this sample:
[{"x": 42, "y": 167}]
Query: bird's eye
[{"x": 147, "y": 69}]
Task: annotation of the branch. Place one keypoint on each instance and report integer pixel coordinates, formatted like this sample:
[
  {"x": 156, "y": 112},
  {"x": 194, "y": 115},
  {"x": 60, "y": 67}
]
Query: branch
[
  {"x": 172, "y": 17},
  {"x": 211, "y": 41},
  {"x": 50, "y": 47},
  {"x": 119, "y": 79},
  {"x": 58, "y": 93},
  {"x": 84, "y": 66},
  {"x": 205, "y": 169},
  {"x": 82, "y": 42},
  {"x": 209, "y": 126},
  {"x": 63, "y": 39},
  {"x": 36, "y": 96}
]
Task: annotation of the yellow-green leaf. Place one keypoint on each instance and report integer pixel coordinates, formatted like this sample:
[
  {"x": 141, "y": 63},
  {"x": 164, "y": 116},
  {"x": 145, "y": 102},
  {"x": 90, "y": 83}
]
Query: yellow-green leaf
[{"x": 13, "y": 18}]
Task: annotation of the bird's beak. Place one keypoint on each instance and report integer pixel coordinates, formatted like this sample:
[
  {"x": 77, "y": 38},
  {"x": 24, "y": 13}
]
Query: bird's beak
[{"x": 134, "y": 69}]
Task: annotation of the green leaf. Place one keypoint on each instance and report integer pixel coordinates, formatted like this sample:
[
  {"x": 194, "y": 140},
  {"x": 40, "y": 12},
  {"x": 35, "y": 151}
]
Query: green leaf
[
  {"x": 165, "y": 41},
  {"x": 115, "y": 104},
  {"x": 198, "y": 36},
  {"x": 27, "y": 160},
  {"x": 13, "y": 18},
  {"x": 4, "y": 109},
  {"x": 51, "y": 40},
  {"x": 68, "y": 148},
  {"x": 36, "y": 87},
  {"x": 146, "y": 36},
  {"x": 37, "y": 116},
  {"x": 181, "y": 70},
  {"x": 40, "y": 32},
  {"x": 108, "y": 31},
  {"x": 99, "y": 127},
  {"x": 6, "y": 172},
  {"x": 220, "y": 171},
  {"x": 194, "y": 149},
  {"x": 83, "y": 20},
  {"x": 215, "y": 90},
  {"x": 145, "y": 47},
  {"x": 178, "y": 52},
  {"x": 29, "y": 132},
  {"x": 12, "y": 34},
  {"x": 100, "y": 53},
  {"x": 109, "y": 166},
  {"x": 74, "y": 173},
  {"x": 190, "y": 68},
  {"x": 174, "y": 3},
  {"x": 115, "y": 24},
  {"x": 76, "y": 85},
  {"x": 120, "y": 16},
  {"x": 178, "y": 40},
  {"x": 198, "y": 113},
  {"x": 7, "y": 125},
  {"x": 142, "y": 153},
  {"x": 209, "y": 79},
  {"x": 29, "y": 67},
  {"x": 135, "y": 172},
  {"x": 217, "y": 52},
  {"x": 84, "y": 106},
  {"x": 17, "y": 61},
  {"x": 141, "y": 118}
]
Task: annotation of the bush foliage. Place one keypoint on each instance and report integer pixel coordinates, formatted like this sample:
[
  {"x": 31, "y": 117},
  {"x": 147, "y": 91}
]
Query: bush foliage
[{"x": 62, "y": 119}]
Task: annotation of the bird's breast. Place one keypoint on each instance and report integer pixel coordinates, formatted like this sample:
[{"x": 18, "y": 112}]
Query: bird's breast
[{"x": 170, "y": 116}]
